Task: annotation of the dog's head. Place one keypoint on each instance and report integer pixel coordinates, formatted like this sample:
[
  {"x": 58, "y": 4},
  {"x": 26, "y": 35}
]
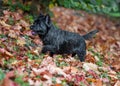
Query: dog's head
[{"x": 41, "y": 25}]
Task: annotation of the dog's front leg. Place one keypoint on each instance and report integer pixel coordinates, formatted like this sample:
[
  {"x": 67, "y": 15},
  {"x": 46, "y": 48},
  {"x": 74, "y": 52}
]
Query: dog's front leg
[{"x": 48, "y": 48}]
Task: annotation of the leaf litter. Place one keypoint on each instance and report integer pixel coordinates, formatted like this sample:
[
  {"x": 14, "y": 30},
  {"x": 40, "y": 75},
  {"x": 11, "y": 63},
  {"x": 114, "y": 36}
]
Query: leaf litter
[{"x": 20, "y": 52}]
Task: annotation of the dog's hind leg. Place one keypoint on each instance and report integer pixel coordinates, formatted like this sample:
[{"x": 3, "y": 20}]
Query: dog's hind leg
[
  {"x": 51, "y": 53},
  {"x": 73, "y": 54}
]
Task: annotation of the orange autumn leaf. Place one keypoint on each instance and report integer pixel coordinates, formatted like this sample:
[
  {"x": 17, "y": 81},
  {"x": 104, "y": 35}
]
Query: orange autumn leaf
[
  {"x": 98, "y": 82},
  {"x": 91, "y": 80},
  {"x": 58, "y": 85}
]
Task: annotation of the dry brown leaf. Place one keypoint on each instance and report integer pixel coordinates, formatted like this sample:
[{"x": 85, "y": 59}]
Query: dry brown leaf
[
  {"x": 37, "y": 50},
  {"x": 16, "y": 27},
  {"x": 5, "y": 52},
  {"x": 70, "y": 69},
  {"x": 31, "y": 82},
  {"x": 74, "y": 70},
  {"x": 90, "y": 58},
  {"x": 21, "y": 41},
  {"x": 24, "y": 24},
  {"x": 8, "y": 54},
  {"x": 113, "y": 76},
  {"x": 117, "y": 83},
  {"x": 90, "y": 66},
  {"x": 6, "y": 12},
  {"x": 12, "y": 34},
  {"x": 117, "y": 66},
  {"x": 17, "y": 16},
  {"x": 4, "y": 24}
]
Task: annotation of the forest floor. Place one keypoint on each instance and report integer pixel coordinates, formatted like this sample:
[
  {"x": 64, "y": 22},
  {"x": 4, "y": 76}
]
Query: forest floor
[{"x": 21, "y": 64}]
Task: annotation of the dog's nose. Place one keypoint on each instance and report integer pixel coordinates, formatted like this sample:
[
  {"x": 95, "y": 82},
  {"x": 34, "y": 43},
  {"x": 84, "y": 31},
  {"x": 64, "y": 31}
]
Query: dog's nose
[{"x": 31, "y": 27}]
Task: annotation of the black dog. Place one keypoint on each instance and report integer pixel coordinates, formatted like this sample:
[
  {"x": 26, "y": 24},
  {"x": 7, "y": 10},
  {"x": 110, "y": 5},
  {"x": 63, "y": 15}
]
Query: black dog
[{"x": 58, "y": 41}]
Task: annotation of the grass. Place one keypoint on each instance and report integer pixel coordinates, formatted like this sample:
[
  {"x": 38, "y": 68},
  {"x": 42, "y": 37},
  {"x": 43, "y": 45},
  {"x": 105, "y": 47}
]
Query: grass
[
  {"x": 2, "y": 75},
  {"x": 20, "y": 81},
  {"x": 98, "y": 55}
]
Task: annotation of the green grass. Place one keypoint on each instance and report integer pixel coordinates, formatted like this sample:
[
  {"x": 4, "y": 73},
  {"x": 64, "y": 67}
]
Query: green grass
[
  {"x": 20, "y": 81},
  {"x": 2, "y": 75},
  {"x": 118, "y": 75},
  {"x": 2, "y": 36},
  {"x": 105, "y": 75},
  {"x": 100, "y": 57},
  {"x": 31, "y": 56},
  {"x": 60, "y": 63}
]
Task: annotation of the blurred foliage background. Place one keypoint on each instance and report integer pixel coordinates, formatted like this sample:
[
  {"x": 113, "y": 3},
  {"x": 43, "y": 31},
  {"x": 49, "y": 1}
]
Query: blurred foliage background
[{"x": 107, "y": 7}]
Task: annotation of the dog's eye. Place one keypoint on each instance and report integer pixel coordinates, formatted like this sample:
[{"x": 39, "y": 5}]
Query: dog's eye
[
  {"x": 42, "y": 25},
  {"x": 35, "y": 23}
]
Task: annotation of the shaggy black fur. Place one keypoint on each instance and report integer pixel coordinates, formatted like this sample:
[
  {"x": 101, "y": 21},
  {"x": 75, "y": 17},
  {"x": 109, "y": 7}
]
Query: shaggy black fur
[{"x": 58, "y": 41}]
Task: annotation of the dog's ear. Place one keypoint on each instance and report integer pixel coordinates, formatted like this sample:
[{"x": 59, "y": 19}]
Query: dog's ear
[
  {"x": 41, "y": 15},
  {"x": 48, "y": 20}
]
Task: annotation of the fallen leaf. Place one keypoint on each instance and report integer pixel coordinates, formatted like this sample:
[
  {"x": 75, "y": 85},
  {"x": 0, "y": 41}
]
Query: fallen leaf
[
  {"x": 90, "y": 58},
  {"x": 79, "y": 78},
  {"x": 10, "y": 74},
  {"x": 16, "y": 27},
  {"x": 4, "y": 24},
  {"x": 5, "y": 52},
  {"x": 6, "y": 12},
  {"x": 91, "y": 80},
  {"x": 117, "y": 83},
  {"x": 7, "y": 81},
  {"x": 105, "y": 80},
  {"x": 8, "y": 54},
  {"x": 58, "y": 85},
  {"x": 17, "y": 16},
  {"x": 92, "y": 73},
  {"x": 21, "y": 41},
  {"x": 12, "y": 34},
  {"x": 90, "y": 66},
  {"x": 31, "y": 82},
  {"x": 24, "y": 24},
  {"x": 70, "y": 69},
  {"x": 98, "y": 82}
]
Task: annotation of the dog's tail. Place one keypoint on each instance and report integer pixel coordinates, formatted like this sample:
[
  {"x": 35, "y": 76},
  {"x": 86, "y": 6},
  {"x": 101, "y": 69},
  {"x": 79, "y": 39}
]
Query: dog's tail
[{"x": 90, "y": 34}]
